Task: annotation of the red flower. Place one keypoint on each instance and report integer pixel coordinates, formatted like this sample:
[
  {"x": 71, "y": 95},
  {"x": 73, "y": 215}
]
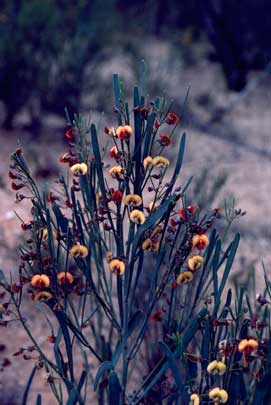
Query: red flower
[
  {"x": 16, "y": 288},
  {"x": 172, "y": 119},
  {"x": 12, "y": 176},
  {"x": 156, "y": 124},
  {"x": 18, "y": 152},
  {"x": 188, "y": 211},
  {"x": 26, "y": 227},
  {"x": 117, "y": 196},
  {"x": 68, "y": 203},
  {"x": 165, "y": 140},
  {"x": 71, "y": 133},
  {"x": 16, "y": 187},
  {"x": 157, "y": 316}
]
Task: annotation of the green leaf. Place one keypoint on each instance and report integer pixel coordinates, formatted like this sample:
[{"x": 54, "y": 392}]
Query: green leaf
[
  {"x": 114, "y": 389},
  {"x": 177, "y": 167},
  {"x": 175, "y": 371},
  {"x": 104, "y": 367},
  {"x": 28, "y": 385},
  {"x": 38, "y": 401},
  {"x": 63, "y": 324}
]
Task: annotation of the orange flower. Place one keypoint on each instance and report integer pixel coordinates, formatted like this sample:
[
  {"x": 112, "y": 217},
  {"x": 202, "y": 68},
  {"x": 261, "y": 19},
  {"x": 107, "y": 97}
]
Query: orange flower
[
  {"x": 132, "y": 199},
  {"x": 65, "y": 277},
  {"x": 216, "y": 367},
  {"x": 147, "y": 162},
  {"x": 160, "y": 161},
  {"x": 79, "y": 168},
  {"x": 218, "y": 395},
  {"x": 45, "y": 234},
  {"x": 114, "y": 152},
  {"x": 195, "y": 263},
  {"x": 137, "y": 216},
  {"x": 150, "y": 245},
  {"x": 124, "y": 132},
  {"x": 40, "y": 281},
  {"x": 43, "y": 296},
  {"x": 185, "y": 277},
  {"x": 116, "y": 172},
  {"x": 200, "y": 241},
  {"x": 247, "y": 346},
  {"x": 79, "y": 251},
  {"x": 117, "y": 267},
  {"x": 194, "y": 399}
]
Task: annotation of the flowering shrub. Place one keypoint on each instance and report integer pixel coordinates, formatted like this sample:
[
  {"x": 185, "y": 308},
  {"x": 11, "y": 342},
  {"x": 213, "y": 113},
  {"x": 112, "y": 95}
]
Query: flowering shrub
[{"x": 130, "y": 277}]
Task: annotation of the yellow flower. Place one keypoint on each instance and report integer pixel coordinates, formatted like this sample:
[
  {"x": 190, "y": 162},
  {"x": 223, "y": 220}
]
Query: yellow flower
[
  {"x": 45, "y": 234},
  {"x": 218, "y": 395},
  {"x": 158, "y": 229},
  {"x": 124, "y": 131},
  {"x": 195, "y": 263},
  {"x": 79, "y": 251},
  {"x": 109, "y": 256},
  {"x": 137, "y": 216},
  {"x": 248, "y": 346},
  {"x": 117, "y": 267},
  {"x": 152, "y": 206},
  {"x": 99, "y": 196},
  {"x": 200, "y": 241},
  {"x": 132, "y": 199},
  {"x": 194, "y": 399},
  {"x": 149, "y": 245},
  {"x": 185, "y": 277},
  {"x": 79, "y": 168},
  {"x": 160, "y": 160},
  {"x": 65, "y": 277},
  {"x": 40, "y": 281},
  {"x": 216, "y": 367},
  {"x": 116, "y": 172},
  {"x": 43, "y": 295},
  {"x": 147, "y": 162}
]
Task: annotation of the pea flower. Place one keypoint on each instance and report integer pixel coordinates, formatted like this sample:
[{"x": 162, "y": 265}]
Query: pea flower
[
  {"x": 45, "y": 234},
  {"x": 124, "y": 132},
  {"x": 219, "y": 396},
  {"x": 216, "y": 367},
  {"x": 200, "y": 241},
  {"x": 150, "y": 245},
  {"x": 248, "y": 346},
  {"x": 148, "y": 161},
  {"x": 137, "y": 217},
  {"x": 79, "y": 168},
  {"x": 172, "y": 119},
  {"x": 132, "y": 199},
  {"x": 194, "y": 399},
  {"x": 160, "y": 160},
  {"x": 185, "y": 277},
  {"x": 79, "y": 251},
  {"x": 165, "y": 140},
  {"x": 114, "y": 152},
  {"x": 195, "y": 263},
  {"x": 40, "y": 281},
  {"x": 116, "y": 172},
  {"x": 43, "y": 296},
  {"x": 116, "y": 266},
  {"x": 65, "y": 277}
]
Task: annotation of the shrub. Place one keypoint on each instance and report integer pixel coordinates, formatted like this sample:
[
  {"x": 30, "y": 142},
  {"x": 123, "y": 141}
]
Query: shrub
[{"x": 129, "y": 278}]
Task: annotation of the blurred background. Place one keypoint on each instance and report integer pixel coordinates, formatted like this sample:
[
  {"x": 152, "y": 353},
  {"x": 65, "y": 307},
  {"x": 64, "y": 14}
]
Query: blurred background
[{"x": 59, "y": 53}]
